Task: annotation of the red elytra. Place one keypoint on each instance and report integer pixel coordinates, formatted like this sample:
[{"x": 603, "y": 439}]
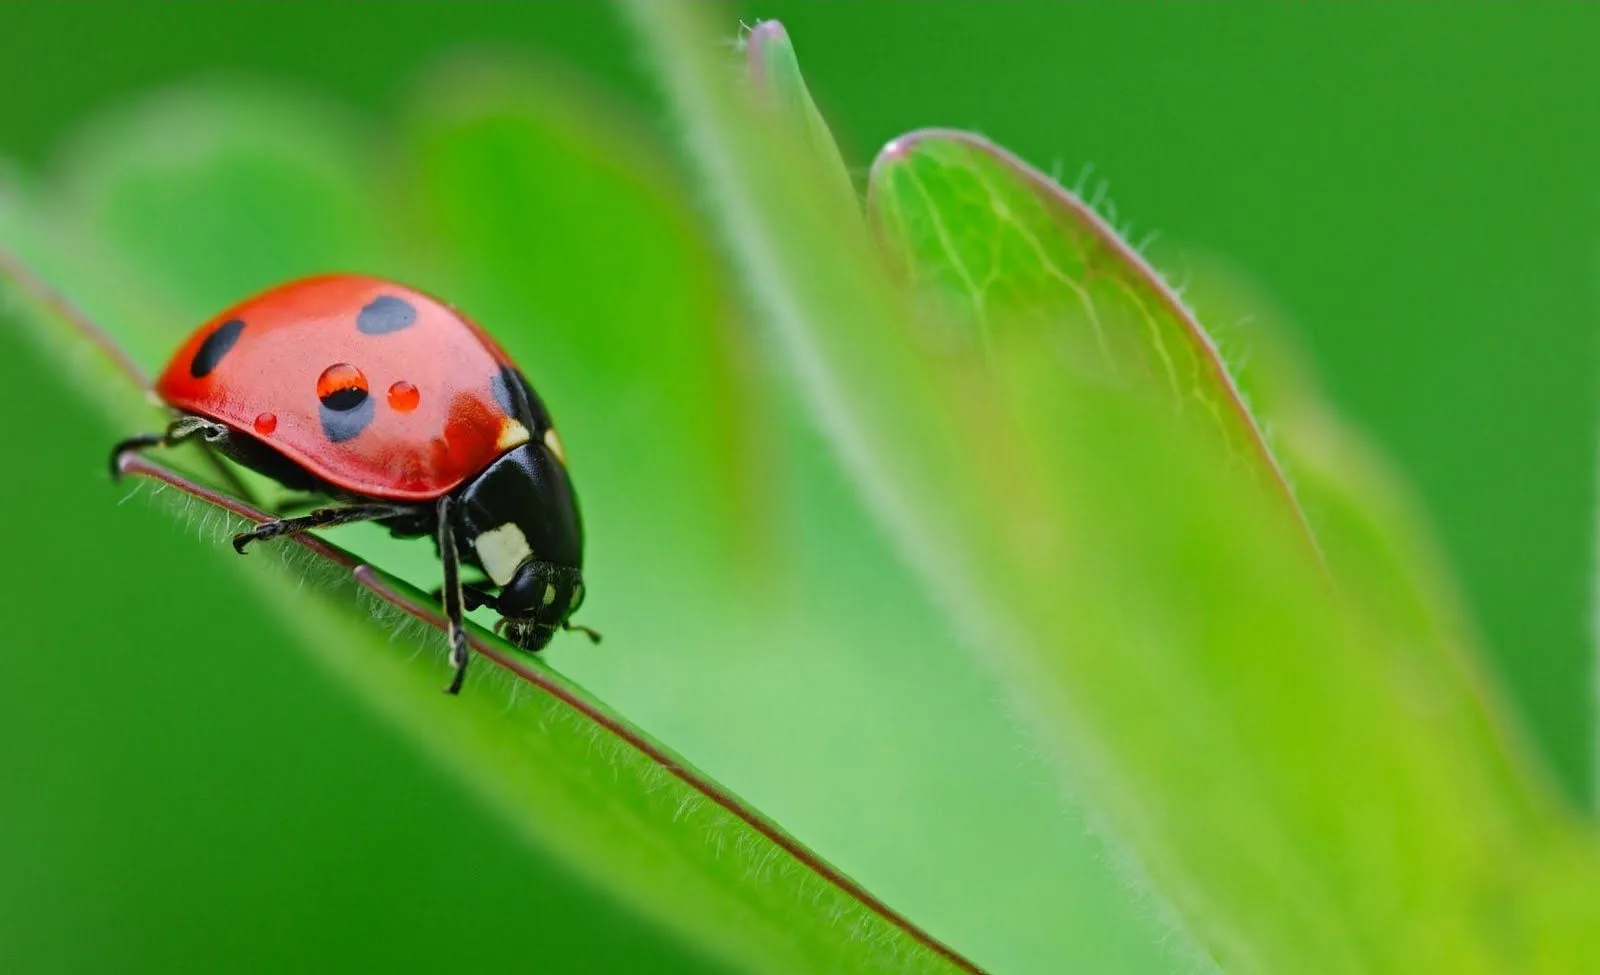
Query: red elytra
[{"x": 421, "y": 377}]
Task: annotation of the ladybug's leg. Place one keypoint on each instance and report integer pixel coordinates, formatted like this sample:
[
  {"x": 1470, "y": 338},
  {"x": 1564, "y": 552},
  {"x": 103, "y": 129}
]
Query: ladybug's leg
[
  {"x": 452, "y": 596},
  {"x": 184, "y": 428},
  {"x": 321, "y": 518},
  {"x": 177, "y": 432},
  {"x": 133, "y": 445}
]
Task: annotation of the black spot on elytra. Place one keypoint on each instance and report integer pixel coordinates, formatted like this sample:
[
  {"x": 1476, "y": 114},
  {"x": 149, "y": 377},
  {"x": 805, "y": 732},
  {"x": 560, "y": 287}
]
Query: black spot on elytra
[
  {"x": 385, "y": 314},
  {"x": 345, "y": 400},
  {"x": 349, "y": 417},
  {"x": 517, "y": 398},
  {"x": 345, "y": 411},
  {"x": 215, "y": 346}
]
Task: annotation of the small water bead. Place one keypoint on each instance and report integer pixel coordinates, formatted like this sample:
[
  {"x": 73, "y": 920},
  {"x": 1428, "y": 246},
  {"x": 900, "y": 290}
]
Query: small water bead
[
  {"x": 404, "y": 397},
  {"x": 266, "y": 423}
]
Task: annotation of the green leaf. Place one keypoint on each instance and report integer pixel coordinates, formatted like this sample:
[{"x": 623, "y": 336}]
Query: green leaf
[
  {"x": 1285, "y": 766},
  {"x": 190, "y": 200},
  {"x": 775, "y": 69},
  {"x": 572, "y": 778},
  {"x": 1330, "y": 766},
  {"x": 1000, "y": 246}
]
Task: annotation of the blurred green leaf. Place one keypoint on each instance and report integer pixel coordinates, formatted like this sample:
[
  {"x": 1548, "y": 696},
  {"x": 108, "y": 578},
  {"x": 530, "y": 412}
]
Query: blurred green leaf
[
  {"x": 1285, "y": 766},
  {"x": 1342, "y": 806},
  {"x": 188, "y": 200},
  {"x": 650, "y": 830},
  {"x": 775, "y": 70}
]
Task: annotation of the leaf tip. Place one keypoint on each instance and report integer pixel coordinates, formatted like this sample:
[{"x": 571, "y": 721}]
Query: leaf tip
[
  {"x": 896, "y": 153},
  {"x": 763, "y": 32},
  {"x": 766, "y": 45}
]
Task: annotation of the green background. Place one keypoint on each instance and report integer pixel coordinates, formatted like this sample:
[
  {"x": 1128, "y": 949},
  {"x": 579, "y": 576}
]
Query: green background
[{"x": 1414, "y": 187}]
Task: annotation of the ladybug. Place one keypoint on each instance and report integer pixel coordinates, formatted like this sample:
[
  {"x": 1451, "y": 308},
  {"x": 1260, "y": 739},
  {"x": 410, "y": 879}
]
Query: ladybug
[{"x": 383, "y": 398}]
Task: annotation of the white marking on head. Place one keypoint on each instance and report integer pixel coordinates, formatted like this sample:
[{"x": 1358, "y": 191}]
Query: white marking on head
[
  {"x": 502, "y": 551},
  {"x": 549, "y": 593},
  {"x": 554, "y": 443},
  {"x": 512, "y": 434}
]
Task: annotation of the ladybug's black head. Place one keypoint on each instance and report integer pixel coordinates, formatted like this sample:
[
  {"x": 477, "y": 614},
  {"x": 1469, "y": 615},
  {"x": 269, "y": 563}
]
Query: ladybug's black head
[
  {"x": 537, "y": 601},
  {"x": 518, "y": 521}
]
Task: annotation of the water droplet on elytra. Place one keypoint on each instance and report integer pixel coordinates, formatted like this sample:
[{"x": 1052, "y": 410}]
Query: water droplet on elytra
[
  {"x": 404, "y": 397},
  {"x": 341, "y": 386}
]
